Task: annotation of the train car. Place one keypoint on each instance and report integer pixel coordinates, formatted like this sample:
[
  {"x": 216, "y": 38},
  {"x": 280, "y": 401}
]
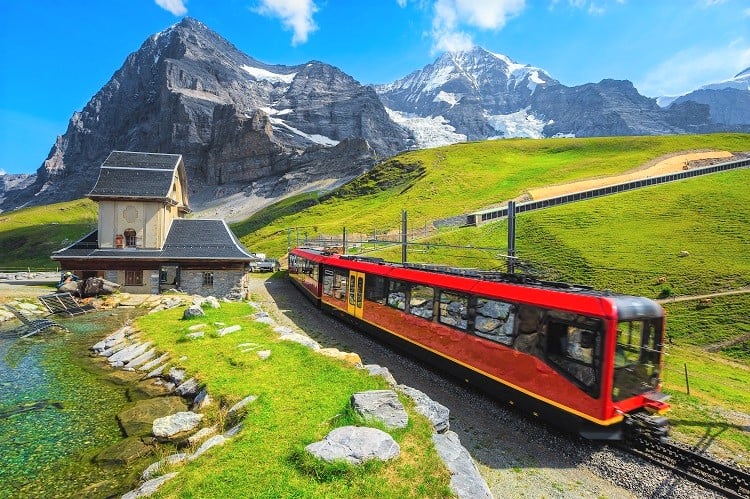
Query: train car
[{"x": 584, "y": 360}]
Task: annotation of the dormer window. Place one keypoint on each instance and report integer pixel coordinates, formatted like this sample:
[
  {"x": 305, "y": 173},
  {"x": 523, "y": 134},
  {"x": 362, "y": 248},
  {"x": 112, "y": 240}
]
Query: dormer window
[{"x": 130, "y": 238}]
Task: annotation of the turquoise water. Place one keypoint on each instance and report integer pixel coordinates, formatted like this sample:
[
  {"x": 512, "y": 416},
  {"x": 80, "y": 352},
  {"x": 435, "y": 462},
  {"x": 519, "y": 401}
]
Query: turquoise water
[{"x": 57, "y": 411}]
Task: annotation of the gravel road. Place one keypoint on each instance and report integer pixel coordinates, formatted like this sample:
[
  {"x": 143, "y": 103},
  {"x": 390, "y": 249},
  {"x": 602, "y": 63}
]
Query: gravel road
[{"x": 517, "y": 456}]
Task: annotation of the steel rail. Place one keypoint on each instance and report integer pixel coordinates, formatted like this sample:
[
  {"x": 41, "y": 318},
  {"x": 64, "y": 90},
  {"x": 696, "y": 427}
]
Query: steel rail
[{"x": 698, "y": 468}]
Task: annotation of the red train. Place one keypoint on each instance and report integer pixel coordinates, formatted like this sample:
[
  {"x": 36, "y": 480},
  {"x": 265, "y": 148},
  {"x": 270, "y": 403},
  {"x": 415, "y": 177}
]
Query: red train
[{"x": 583, "y": 360}]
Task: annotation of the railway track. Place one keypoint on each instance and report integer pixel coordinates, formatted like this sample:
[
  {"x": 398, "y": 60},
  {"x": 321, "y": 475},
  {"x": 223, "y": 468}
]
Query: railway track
[{"x": 698, "y": 468}]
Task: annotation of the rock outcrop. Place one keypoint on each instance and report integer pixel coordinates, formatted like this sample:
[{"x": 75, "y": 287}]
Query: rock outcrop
[{"x": 235, "y": 120}]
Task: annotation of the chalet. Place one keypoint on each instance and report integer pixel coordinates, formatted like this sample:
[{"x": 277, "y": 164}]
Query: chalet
[{"x": 142, "y": 241}]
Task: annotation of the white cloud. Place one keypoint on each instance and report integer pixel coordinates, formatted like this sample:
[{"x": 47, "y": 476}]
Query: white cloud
[
  {"x": 176, "y": 7},
  {"x": 689, "y": 69},
  {"x": 296, "y": 15},
  {"x": 746, "y": 12},
  {"x": 2, "y": 172},
  {"x": 451, "y": 15}
]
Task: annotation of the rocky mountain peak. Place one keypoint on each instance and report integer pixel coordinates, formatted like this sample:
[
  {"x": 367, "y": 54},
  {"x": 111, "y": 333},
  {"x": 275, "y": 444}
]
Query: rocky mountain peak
[{"x": 235, "y": 120}]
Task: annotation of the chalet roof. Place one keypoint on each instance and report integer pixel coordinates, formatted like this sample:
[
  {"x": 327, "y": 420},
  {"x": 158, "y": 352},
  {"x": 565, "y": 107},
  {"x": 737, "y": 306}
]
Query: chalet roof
[
  {"x": 187, "y": 240},
  {"x": 141, "y": 175}
]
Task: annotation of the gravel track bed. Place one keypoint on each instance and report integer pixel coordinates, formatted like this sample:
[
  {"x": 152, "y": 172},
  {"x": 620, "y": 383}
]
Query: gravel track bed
[{"x": 517, "y": 456}]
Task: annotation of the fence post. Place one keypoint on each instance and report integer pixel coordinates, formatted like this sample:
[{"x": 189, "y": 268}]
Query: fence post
[{"x": 687, "y": 381}]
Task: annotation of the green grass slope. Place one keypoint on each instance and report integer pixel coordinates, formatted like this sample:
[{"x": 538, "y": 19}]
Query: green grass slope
[
  {"x": 29, "y": 236},
  {"x": 448, "y": 181}
]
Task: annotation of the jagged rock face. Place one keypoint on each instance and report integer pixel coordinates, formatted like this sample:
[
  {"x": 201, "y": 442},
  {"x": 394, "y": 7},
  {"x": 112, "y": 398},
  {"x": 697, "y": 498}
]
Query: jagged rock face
[
  {"x": 728, "y": 106},
  {"x": 467, "y": 88},
  {"x": 482, "y": 95},
  {"x": 610, "y": 107},
  {"x": 234, "y": 119}
]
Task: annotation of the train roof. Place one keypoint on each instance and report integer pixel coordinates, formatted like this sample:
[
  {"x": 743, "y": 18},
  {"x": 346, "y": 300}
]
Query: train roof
[{"x": 491, "y": 283}]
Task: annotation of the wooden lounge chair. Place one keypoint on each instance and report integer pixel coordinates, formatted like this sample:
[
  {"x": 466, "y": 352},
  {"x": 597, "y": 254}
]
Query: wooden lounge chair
[
  {"x": 64, "y": 303},
  {"x": 32, "y": 326}
]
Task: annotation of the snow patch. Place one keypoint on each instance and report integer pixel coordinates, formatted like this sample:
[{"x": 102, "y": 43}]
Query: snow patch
[
  {"x": 518, "y": 124},
  {"x": 263, "y": 74},
  {"x": 447, "y": 97},
  {"x": 314, "y": 137},
  {"x": 432, "y": 131}
]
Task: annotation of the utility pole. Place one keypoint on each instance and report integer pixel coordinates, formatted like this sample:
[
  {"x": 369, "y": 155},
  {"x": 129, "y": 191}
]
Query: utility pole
[
  {"x": 511, "y": 237},
  {"x": 403, "y": 236}
]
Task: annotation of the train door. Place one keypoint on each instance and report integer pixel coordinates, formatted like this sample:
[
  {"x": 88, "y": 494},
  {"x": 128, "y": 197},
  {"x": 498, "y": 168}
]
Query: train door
[{"x": 356, "y": 293}]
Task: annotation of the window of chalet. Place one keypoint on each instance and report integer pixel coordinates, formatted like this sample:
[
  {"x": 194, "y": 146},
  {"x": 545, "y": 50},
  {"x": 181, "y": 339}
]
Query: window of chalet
[
  {"x": 133, "y": 278},
  {"x": 130, "y": 239},
  {"x": 208, "y": 279}
]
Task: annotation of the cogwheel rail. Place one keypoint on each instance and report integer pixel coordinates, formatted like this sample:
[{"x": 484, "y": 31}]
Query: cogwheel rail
[{"x": 703, "y": 470}]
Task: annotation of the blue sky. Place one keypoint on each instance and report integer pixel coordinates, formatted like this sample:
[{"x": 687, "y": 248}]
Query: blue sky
[{"x": 57, "y": 54}]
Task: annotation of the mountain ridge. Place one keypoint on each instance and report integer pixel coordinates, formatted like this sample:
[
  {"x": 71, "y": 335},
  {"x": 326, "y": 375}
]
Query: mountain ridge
[{"x": 254, "y": 131}]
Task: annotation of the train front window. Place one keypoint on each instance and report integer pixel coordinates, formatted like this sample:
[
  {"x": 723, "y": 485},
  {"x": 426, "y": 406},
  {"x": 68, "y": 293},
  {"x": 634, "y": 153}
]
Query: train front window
[
  {"x": 637, "y": 358},
  {"x": 573, "y": 347}
]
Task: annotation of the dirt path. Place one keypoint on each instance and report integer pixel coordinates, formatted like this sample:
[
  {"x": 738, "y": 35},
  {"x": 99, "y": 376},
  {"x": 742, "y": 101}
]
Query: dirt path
[
  {"x": 703, "y": 297},
  {"x": 667, "y": 164}
]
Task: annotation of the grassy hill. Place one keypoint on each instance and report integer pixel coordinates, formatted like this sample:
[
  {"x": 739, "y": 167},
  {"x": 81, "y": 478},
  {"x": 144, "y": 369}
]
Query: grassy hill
[
  {"x": 30, "y": 235},
  {"x": 447, "y": 181}
]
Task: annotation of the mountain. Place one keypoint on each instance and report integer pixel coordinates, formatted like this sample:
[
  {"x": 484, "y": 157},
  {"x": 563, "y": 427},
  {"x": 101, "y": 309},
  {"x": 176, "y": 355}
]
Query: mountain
[
  {"x": 477, "y": 94},
  {"x": 471, "y": 95},
  {"x": 236, "y": 121},
  {"x": 728, "y": 101}
]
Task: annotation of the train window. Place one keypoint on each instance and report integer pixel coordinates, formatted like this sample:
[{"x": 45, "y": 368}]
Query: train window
[
  {"x": 328, "y": 281},
  {"x": 375, "y": 288},
  {"x": 397, "y": 294},
  {"x": 494, "y": 320},
  {"x": 530, "y": 330},
  {"x": 637, "y": 358},
  {"x": 421, "y": 301},
  {"x": 454, "y": 310},
  {"x": 334, "y": 282},
  {"x": 360, "y": 285},
  {"x": 573, "y": 346}
]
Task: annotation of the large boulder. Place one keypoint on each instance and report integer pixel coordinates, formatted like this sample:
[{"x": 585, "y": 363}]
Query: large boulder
[
  {"x": 138, "y": 420},
  {"x": 436, "y": 412},
  {"x": 381, "y": 405},
  {"x": 466, "y": 482},
  {"x": 124, "y": 452},
  {"x": 176, "y": 424},
  {"x": 355, "y": 445}
]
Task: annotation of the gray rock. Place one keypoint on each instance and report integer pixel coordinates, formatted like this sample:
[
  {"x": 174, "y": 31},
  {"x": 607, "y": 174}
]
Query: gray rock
[
  {"x": 127, "y": 354},
  {"x": 201, "y": 400},
  {"x": 355, "y": 444},
  {"x": 376, "y": 370},
  {"x": 466, "y": 482},
  {"x": 228, "y": 330},
  {"x": 192, "y": 312},
  {"x": 156, "y": 372},
  {"x": 287, "y": 334},
  {"x": 211, "y": 301},
  {"x": 195, "y": 335},
  {"x": 242, "y": 403},
  {"x": 142, "y": 359},
  {"x": 205, "y": 446},
  {"x": 138, "y": 419},
  {"x": 264, "y": 354},
  {"x": 201, "y": 435},
  {"x": 149, "y": 487},
  {"x": 153, "y": 363},
  {"x": 436, "y": 412},
  {"x": 172, "y": 425},
  {"x": 381, "y": 405},
  {"x": 170, "y": 460},
  {"x": 188, "y": 388},
  {"x": 176, "y": 374}
]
